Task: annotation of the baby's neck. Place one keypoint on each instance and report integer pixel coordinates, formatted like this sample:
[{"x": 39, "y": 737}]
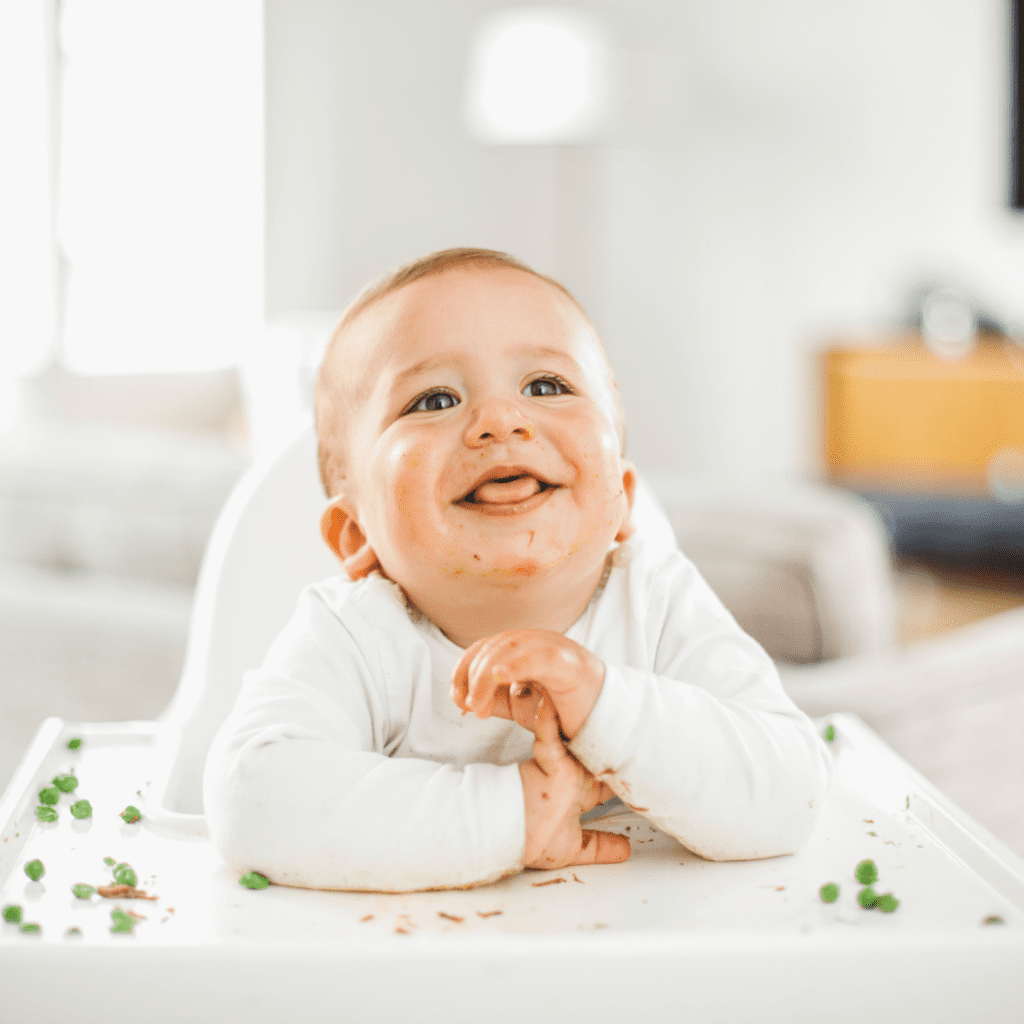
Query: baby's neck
[{"x": 478, "y": 611}]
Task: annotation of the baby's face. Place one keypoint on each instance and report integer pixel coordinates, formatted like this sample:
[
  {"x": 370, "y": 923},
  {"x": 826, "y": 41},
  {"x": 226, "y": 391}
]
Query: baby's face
[{"x": 481, "y": 444}]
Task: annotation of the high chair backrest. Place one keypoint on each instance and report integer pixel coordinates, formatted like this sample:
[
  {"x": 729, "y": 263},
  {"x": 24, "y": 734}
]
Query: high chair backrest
[{"x": 265, "y": 548}]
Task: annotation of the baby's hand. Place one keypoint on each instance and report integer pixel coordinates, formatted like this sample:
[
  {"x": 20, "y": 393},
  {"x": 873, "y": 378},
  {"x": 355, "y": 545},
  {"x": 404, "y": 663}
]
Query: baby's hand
[
  {"x": 556, "y": 791},
  {"x": 503, "y": 674}
]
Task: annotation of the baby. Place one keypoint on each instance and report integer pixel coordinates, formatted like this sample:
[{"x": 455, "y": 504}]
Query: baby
[{"x": 503, "y": 654}]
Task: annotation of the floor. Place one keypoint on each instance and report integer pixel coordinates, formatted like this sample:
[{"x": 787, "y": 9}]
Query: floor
[{"x": 935, "y": 598}]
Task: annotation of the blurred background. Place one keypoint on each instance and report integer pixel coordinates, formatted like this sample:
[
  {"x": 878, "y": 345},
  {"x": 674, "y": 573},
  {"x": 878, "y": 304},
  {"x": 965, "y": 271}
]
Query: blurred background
[{"x": 796, "y": 224}]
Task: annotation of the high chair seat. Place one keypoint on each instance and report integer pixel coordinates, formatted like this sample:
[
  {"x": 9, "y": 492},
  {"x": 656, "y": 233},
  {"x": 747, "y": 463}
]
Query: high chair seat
[{"x": 663, "y": 935}]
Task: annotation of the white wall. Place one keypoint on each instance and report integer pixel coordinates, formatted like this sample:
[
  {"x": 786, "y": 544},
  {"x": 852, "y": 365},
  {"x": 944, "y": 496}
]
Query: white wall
[{"x": 779, "y": 172}]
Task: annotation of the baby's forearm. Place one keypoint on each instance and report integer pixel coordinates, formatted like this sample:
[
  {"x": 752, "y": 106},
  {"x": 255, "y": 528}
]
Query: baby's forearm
[{"x": 304, "y": 812}]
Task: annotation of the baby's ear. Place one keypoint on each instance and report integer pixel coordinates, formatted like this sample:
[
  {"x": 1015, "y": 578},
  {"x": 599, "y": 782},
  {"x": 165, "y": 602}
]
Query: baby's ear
[
  {"x": 342, "y": 534},
  {"x": 627, "y": 529}
]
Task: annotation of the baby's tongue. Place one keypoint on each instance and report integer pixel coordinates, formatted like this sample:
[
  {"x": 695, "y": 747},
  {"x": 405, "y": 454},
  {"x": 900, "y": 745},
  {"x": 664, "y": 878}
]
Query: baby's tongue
[{"x": 507, "y": 492}]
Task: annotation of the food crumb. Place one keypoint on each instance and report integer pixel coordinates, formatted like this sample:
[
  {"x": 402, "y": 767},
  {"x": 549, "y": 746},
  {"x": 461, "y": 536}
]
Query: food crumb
[
  {"x": 550, "y": 881},
  {"x": 363, "y": 920},
  {"x": 450, "y": 917},
  {"x": 993, "y": 919},
  {"x": 124, "y": 874},
  {"x": 872, "y": 833},
  {"x": 401, "y": 931},
  {"x": 66, "y": 783},
  {"x": 81, "y": 809},
  {"x": 254, "y": 880},
  {"x": 487, "y": 913},
  {"x": 31, "y": 929},
  {"x": 122, "y": 891},
  {"x": 868, "y": 821},
  {"x": 122, "y": 922},
  {"x": 576, "y": 878},
  {"x": 867, "y": 897},
  {"x": 170, "y": 910},
  {"x": 866, "y": 872},
  {"x": 72, "y": 932}
]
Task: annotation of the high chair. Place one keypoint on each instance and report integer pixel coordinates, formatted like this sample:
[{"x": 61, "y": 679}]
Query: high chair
[{"x": 663, "y": 934}]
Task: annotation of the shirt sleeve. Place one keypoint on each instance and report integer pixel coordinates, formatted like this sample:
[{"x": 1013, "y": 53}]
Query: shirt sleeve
[
  {"x": 298, "y": 785},
  {"x": 705, "y": 744}
]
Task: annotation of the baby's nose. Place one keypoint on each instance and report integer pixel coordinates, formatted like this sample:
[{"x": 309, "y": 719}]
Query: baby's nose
[{"x": 497, "y": 421}]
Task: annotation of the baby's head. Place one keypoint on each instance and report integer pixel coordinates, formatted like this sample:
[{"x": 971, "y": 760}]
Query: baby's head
[{"x": 470, "y": 432}]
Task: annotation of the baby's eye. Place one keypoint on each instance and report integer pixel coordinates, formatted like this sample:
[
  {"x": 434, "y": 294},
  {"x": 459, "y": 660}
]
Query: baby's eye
[
  {"x": 434, "y": 401},
  {"x": 545, "y": 386}
]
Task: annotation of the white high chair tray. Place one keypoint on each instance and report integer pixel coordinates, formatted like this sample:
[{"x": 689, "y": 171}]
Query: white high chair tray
[{"x": 665, "y": 933}]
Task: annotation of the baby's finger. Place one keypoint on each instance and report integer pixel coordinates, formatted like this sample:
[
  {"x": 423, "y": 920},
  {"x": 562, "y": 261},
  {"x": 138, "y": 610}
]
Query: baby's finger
[
  {"x": 603, "y": 848},
  {"x": 548, "y": 750},
  {"x": 460, "y": 677},
  {"x": 524, "y": 700}
]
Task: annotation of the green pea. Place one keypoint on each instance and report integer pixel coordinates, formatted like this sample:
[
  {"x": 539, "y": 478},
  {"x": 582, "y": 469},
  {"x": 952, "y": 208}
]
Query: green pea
[
  {"x": 830, "y": 733},
  {"x": 829, "y": 892},
  {"x": 867, "y": 897},
  {"x": 73, "y": 931},
  {"x": 109, "y": 861},
  {"x": 74, "y": 744},
  {"x": 122, "y": 922},
  {"x": 866, "y": 872},
  {"x": 46, "y": 813},
  {"x": 131, "y": 814},
  {"x": 33, "y": 929},
  {"x": 887, "y": 903},
  {"x": 50, "y": 795},
  {"x": 991, "y": 919},
  {"x": 35, "y": 870},
  {"x": 83, "y": 891},
  {"x": 124, "y": 875},
  {"x": 12, "y": 913},
  {"x": 65, "y": 783},
  {"x": 254, "y": 880},
  {"x": 81, "y": 809}
]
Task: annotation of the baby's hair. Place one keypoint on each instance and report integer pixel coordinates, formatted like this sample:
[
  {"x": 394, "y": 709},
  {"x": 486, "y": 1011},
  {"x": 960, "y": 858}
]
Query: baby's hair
[{"x": 426, "y": 266}]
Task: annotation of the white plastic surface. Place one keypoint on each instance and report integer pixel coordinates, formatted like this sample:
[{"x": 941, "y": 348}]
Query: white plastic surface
[{"x": 664, "y": 934}]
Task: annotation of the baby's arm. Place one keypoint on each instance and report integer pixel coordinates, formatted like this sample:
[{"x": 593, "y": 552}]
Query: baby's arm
[{"x": 299, "y": 785}]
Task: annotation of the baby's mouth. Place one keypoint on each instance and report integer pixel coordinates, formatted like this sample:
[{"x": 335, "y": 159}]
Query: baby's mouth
[{"x": 506, "y": 490}]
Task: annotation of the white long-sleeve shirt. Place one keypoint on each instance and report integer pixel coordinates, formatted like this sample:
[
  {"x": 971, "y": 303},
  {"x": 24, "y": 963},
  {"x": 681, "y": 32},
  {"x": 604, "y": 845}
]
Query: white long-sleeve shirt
[{"x": 345, "y": 764}]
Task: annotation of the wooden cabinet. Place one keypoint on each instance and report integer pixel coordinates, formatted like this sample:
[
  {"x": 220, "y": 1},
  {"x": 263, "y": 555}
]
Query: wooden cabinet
[{"x": 899, "y": 418}]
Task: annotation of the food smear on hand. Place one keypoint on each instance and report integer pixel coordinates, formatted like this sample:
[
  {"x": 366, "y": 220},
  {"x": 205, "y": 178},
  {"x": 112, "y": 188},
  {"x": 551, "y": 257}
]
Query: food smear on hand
[
  {"x": 35, "y": 870},
  {"x": 124, "y": 875},
  {"x": 47, "y": 814},
  {"x": 12, "y": 913},
  {"x": 49, "y": 795},
  {"x": 131, "y": 814},
  {"x": 254, "y": 880},
  {"x": 866, "y": 872},
  {"x": 829, "y": 892},
  {"x": 83, "y": 891},
  {"x": 65, "y": 783},
  {"x": 81, "y": 809}
]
